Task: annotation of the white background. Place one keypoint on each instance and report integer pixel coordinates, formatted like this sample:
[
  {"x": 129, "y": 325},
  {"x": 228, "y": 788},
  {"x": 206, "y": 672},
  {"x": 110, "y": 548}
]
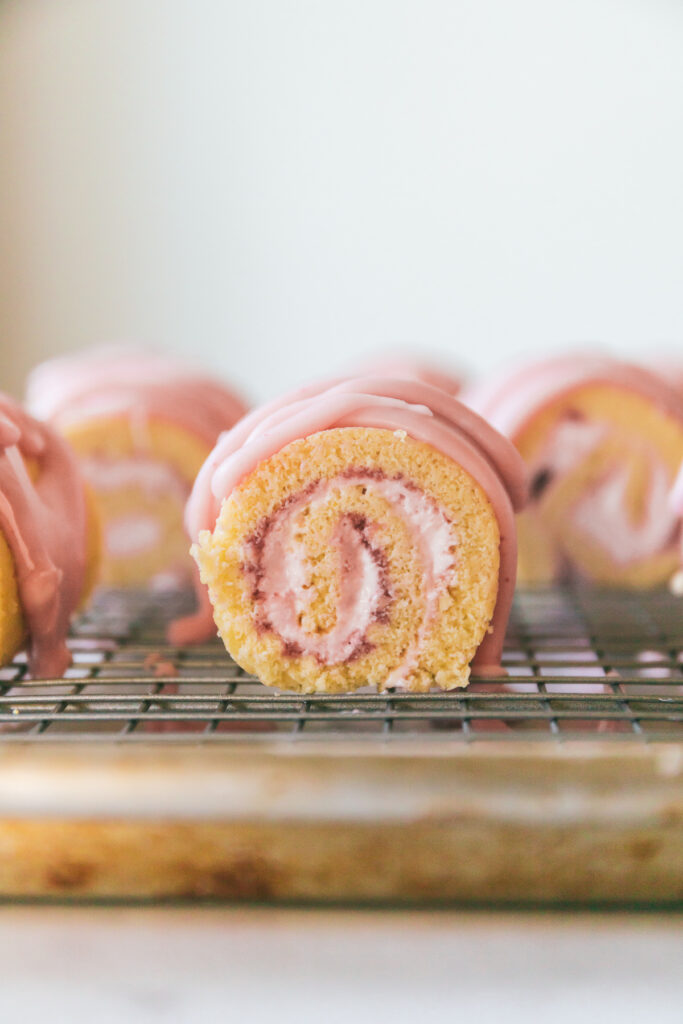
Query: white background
[{"x": 280, "y": 185}]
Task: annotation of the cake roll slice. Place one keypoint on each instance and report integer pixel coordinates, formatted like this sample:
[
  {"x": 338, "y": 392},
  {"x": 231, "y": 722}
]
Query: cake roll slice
[
  {"x": 602, "y": 441},
  {"x": 361, "y": 533},
  {"x": 142, "y": 424},
  {"x": 49, "y": 541}
]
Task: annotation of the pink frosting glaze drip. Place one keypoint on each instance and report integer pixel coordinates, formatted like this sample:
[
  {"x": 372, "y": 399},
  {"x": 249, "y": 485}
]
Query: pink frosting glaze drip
[
  {"x": 425, "y": 413},
  {"x": 137, "y": 383},
  {"x": 676, "y": 497},
  {"x": 511, "y": 399},
  {"x": 45, "y": 525},
  {"x": 432, "y": 415},
  {"x": 403, "y": 366}
]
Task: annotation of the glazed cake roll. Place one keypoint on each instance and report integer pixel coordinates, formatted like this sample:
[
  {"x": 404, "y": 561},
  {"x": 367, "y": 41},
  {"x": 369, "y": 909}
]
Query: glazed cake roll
[
  {"x": 360, "y": 533},
  {"x": 49, "y": 541},
  {"x": 142, "y": 424},
  {"x": 602, "y": 441}
]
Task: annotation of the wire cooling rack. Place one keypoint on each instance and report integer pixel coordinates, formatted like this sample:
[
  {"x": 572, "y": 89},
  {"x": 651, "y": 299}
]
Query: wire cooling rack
[{"x": 581, "y": 664}]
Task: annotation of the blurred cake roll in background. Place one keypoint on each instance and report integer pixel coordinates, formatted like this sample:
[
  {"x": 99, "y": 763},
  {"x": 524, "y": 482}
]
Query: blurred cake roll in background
[
  {"x": 603, "y": 441},
  {"x": 671, "y": 369},
  {"x": 360, "y": 533},
  {"x": 676, "y": 502},
  {"x": 142, "y": 424},
  {"x": 49, "y": 541},
  {"x": 676, "y": 497}
]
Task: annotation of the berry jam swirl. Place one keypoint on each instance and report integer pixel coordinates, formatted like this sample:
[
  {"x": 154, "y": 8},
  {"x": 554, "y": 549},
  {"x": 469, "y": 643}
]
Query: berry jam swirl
[{"x": 280, "y": 572}]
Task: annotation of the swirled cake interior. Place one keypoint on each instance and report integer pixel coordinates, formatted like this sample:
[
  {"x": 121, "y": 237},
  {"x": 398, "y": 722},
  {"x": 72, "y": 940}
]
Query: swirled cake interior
[{"x": 602, "y": 460}]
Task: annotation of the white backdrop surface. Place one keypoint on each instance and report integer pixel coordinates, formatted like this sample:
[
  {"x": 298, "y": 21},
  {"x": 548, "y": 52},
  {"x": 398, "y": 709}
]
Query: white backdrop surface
[{"x": 281, "y": 185}]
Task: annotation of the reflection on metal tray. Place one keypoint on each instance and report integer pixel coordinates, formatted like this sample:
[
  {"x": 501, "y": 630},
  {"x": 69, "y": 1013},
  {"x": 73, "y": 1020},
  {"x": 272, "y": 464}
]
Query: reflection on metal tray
[
  {"x": 160, "y": 772},
  {"x": 581, "y": 664}
]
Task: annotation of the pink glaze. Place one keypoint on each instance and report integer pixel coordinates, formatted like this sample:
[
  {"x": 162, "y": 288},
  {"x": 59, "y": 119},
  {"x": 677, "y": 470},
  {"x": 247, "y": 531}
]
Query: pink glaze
[
  {"x": 136, "y": 383},
  {"x": 383, "y": 402},
  {"x": 676, "y": 497},
  {"x": 670, "y": 369},
  {"x": 511, "y": 400},
  {"x": 45, "y": 526},
  {"x": 423, "y": 412},
  {"x": 402, "y": 366}
]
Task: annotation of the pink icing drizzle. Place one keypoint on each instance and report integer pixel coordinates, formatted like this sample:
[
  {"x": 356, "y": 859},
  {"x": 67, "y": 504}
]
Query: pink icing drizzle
[
  {"x": 140, "y": 384},
  {"x": 45, "y": 526},
  {"x": 402, "y": 366},
  {"x": 423, "y": 412},
  {"x": 676, "y": 497},
  {"x": 511, "y": 399}
]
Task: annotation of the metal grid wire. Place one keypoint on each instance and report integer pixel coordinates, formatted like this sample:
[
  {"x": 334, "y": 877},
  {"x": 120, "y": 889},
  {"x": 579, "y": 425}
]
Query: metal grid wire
[{"x": 582, "y": 664}]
